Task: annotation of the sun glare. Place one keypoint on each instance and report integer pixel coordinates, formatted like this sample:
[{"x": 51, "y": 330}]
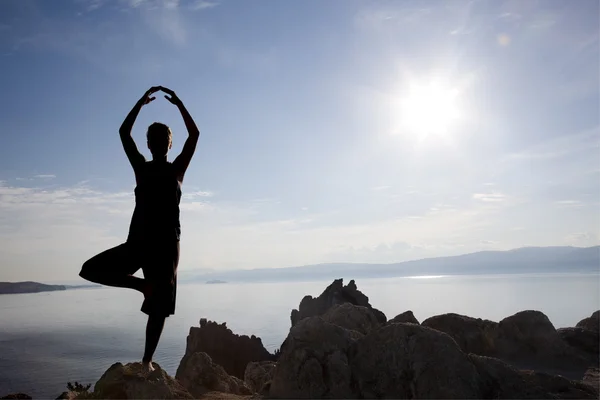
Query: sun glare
[{"x": 429, "y": 109}]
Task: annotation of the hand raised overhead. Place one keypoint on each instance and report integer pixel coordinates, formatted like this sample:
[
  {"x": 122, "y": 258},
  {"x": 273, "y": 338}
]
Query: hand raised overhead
[
  {"x": 146, "y": 99},
  {"x": 171, "y": 96}
]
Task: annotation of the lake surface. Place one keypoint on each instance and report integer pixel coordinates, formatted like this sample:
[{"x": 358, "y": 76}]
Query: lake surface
[{"x": 48, "y": 339}]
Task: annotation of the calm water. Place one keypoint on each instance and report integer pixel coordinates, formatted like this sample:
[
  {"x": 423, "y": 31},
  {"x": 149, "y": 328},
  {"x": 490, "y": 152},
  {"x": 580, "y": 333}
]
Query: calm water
[{"x": 47, "y": 339}]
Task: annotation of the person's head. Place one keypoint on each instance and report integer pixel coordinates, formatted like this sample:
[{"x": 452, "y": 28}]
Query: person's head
[{"x": 159, "y": 139}]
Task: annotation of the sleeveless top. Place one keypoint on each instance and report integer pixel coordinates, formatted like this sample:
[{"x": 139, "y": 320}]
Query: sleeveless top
[{"x": 157, "y": 196}]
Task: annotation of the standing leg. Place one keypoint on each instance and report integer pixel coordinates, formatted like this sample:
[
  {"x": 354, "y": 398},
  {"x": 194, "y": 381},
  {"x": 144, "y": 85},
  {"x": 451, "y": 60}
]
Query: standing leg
[
  {"x": 161, "y": 273},
  {"x": 154, "y": 328},
  {"x": 114, "y": 267}
]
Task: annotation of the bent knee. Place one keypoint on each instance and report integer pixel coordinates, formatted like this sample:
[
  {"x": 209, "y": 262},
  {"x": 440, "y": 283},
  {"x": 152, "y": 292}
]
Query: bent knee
[{"x": 88, "y": 270}]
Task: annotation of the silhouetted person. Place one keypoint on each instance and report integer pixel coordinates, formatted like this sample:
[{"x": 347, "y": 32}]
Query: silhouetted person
[{"x": 153, "y": 240}]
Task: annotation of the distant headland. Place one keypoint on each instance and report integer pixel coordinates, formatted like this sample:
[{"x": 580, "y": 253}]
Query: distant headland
[
  {"x": 28, "y": 287},
  {"x": 36, "y": 287}
]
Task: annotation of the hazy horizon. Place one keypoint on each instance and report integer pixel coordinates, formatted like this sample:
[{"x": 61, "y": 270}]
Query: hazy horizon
[{"x": 368, "y": 132}]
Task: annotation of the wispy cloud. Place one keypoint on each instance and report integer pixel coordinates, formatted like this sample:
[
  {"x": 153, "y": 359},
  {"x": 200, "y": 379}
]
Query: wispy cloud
[
  {"x": 489, "y": 197},
  {"x": 199, "y": 5},
  {"x": 569, "y": 203},
  {"x": 45, "y": 176}
]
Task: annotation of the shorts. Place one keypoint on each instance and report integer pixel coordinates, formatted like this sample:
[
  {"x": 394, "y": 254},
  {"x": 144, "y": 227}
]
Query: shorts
[{"x": 158, "y": 262}]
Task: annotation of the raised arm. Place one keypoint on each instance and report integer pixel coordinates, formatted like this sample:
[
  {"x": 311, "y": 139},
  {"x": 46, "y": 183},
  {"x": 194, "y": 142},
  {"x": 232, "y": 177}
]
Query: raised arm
[
  {"x": 134, "y": 156},
  {"x": 182, "y": 161}
]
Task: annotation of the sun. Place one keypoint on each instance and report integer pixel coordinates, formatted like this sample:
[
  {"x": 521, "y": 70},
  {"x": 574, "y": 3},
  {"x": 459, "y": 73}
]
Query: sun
[{"x": 429, "y": 109}]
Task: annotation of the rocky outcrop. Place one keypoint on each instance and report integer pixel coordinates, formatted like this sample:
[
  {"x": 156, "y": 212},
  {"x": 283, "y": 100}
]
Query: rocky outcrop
[
  {"x": 401, "y": 360},
  {"x": 129, "y": 382},
  {"x": 356, "y": 318},
  {"x": 591, "y": 323},
  {"x": 334, "y": 294},
  {"x": 406, "y": 316},
  {"x": 231, "y": 351},
  {"x": 527, "y": 340},
  {"x": 258, "y": 376},
  {"x": 199, "y": 375}
]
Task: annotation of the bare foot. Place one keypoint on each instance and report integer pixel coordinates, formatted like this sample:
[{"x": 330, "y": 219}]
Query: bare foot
[{"x": 147, "y": 367}]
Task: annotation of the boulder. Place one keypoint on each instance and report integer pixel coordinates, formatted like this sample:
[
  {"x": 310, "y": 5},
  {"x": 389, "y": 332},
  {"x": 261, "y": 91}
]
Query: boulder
[
  {"x": 334, "y": 294},
  {"x": 130, "y": 382},
  {"x": 473, "y": 335},
  {"x": 17, "y": 396},
  {"x": 528, "y": 340},
  {"x": 356, "y": 318},
  {"x": 258, "y": 376},
  {"x": 405, "y": 360},
  {"x": 591, "y": 323},
  {"x": 231, "y": 351},
  {"x": 406, "y": 316},
  {"x": 199, "y": 375},
  {"x": 314, "y": 362},
  {"x": 582, "y": 339}
]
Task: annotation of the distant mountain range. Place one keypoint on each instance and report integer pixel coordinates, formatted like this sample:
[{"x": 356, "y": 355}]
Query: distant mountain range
[
  {"x": 518, "y": 261},
  {"x": 524, "y": 260}
]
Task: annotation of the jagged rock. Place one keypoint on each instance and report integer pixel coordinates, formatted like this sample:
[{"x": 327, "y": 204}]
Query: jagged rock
[
  {"x": 258, "y": 376},
  {"x": 17, "y": 396},
  {"x": 231, "y": 351},
  {"x": 334, "y": 294},
  {"x": 591, "y": 323},
  {"x": 582, "y": 339},
  {"x": 473, "y": 335},
  {"x": 401, "y": 360},
  {"x": 129, "y": 382},
  {"x": 410, "y": 361},
  {"x": 199, "y": 375},
  {"x": 314, "y": 362},
  {"x": 406, "y": 316},
  {"x": 357, "y": 318},
  {"x": 592, "y": 378}
]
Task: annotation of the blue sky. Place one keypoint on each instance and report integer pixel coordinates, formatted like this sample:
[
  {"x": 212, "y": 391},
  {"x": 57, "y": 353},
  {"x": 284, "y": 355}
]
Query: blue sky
[{"x": 340, "y": 130}]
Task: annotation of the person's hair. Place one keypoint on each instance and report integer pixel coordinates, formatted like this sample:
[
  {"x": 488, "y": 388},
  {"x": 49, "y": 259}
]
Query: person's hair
[{"x": 158, "y": 131}]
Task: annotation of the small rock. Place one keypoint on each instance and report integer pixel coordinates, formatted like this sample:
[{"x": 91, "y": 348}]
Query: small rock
[
  {"x": 592, "y": 378},
  {"x": 591, "y": 323},
  {"x": 406, "y": 316}
]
